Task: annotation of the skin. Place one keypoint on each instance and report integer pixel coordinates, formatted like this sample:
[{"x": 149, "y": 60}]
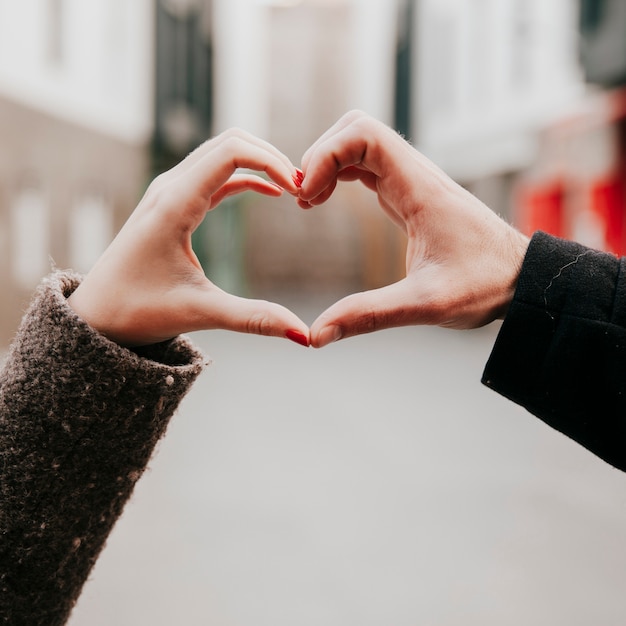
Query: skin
[
  {"x": 462, "y": 260},
  {"x": 148, "y": 286}
]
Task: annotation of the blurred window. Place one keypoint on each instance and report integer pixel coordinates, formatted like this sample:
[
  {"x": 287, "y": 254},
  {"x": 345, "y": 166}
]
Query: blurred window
[
  {"x": 184, "y": 90},
  {"x": 521, "y": 44},
  {"x": 440, "y": 68},
  {"x": 591, "y": 15},
  {"x": 481, "y": 45},
  {"x": 55, "y": 32},
  {"x": 30, "y": 236},
  {"x": 603, "y": 41},
  {"x": 404, "y": 52},
  {"x": 181, "y": 9}
]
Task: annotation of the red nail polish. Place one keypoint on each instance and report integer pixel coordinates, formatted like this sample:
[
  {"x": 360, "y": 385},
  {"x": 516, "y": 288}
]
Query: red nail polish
[
  {"x": 298, "y": 177},
  {"x": 298, "y": 337},
  {"x": 296, "y": 181}
]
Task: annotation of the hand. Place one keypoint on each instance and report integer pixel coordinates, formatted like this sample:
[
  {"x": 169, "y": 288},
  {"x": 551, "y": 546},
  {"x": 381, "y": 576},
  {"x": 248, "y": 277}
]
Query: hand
[
  {"x": 462, "y": 260},
  {"x": 149, "y": 286}
]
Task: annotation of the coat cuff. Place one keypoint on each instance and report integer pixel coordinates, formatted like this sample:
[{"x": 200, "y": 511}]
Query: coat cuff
[{"x": 561, "y": 349}]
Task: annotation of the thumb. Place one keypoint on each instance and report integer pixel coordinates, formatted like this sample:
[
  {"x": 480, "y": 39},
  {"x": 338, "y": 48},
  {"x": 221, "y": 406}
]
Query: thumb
[
  {"x": 229, "y": 312},
  {"x": 366, "y": 312}
]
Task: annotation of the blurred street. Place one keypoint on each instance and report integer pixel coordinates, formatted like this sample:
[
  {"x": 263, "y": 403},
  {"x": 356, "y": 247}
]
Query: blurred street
[{"x": 375, "y": 482}]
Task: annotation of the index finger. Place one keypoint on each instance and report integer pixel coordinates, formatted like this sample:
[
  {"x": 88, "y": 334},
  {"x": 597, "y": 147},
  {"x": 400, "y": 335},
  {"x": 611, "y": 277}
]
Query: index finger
[
  {"x": 337, "y": 127},
  {"x": 198, "y": 184},
  {"x": 352, "y": 142},
  {"x": 225, "y": 137}
]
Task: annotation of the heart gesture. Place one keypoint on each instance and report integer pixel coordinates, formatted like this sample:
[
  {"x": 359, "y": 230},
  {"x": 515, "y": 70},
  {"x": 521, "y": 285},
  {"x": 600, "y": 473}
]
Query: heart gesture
[{"x": 462, "y": 260}]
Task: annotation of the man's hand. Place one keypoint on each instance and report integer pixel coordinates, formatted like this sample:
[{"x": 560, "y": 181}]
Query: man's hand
[{"x": 462, "y": 260}]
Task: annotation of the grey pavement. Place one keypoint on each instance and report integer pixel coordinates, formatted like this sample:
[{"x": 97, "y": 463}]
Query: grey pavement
[{"x": 371, "y": 483}]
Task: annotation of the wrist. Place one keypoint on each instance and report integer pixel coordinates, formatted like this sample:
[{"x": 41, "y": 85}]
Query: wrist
[
  {"x": 514, "y": 254},
  {"x": 96, "y": 314}
]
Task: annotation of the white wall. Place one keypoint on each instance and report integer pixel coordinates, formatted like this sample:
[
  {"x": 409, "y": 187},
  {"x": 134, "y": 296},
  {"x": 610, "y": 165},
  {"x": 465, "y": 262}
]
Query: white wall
[
  {"x": 101, "y": 77},
  {"x": 241, "y": 65},
  {"x": 489, "y": 73},
  {"x": 374, "y": 45},
  {"x": 242, "y": 59}
]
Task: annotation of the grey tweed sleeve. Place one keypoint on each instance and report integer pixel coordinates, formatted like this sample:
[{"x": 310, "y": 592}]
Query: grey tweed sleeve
[{"x": 79, "y": 419}]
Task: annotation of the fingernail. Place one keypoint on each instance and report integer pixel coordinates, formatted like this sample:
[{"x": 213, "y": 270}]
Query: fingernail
[
  {"x": 328, "y": 335},
  {"x": 298, "y": 337},
  {"x": 298, "y": 177}
]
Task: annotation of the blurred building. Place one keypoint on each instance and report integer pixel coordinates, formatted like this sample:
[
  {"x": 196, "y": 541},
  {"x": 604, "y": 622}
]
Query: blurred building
[
  {"x": 576, "y": 187},
  {"x": 97, "y": 96},
  {"x": 286, "y": 70},
  {"x": 75, "y": 120},
  {"x": 473, "y": 83},
  {"x": 491, "y": 75}
]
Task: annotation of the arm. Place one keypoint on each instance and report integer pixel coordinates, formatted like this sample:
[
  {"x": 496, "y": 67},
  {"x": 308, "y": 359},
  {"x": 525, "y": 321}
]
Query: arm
[
  {"x": 79, "y": 418},
  {"x": 561, "y": 351},
  {"x": 80, "y": 413}
]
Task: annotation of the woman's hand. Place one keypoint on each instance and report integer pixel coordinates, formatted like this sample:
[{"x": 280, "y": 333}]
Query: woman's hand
[
  {"x": 149, "y": 286},
  {"x": 462, "y": 260}
]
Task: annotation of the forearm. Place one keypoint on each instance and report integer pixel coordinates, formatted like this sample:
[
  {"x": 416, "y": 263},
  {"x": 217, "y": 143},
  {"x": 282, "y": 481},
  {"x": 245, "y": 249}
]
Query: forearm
[
  {"x": 79, "y": 418},
  {"x": 561, "y": 352}
]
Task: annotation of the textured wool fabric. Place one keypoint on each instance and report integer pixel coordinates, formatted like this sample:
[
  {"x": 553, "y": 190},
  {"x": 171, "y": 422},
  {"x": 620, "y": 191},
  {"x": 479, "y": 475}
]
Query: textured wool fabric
[
  {"x": 561, "y": 351},
  {"x": 79, "y": 419}
]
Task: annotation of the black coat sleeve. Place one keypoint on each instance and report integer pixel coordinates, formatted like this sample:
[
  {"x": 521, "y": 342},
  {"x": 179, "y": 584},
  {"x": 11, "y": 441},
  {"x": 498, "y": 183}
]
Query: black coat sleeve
[{"x": 561, "y": 351}]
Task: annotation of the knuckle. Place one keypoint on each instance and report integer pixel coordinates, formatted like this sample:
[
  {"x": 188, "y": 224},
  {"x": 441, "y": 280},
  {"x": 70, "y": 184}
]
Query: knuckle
[
  {"x": 369, "y": 321},
  {"x": 354, "y": 115},
  {"x": 153, "y": 196},
  {"x": 233, "y": 135},
  {"x": 160, "y": 199},
  {"x": 360, "y": 121},
  {"x": 232, "y": 145},
  {"x": 438, "y": 309},
  {"x": 260, "y": 324},
  {"x": 157, "y": 184},
  {"x": 234, "y": 131},
  {"x": 372, "y": 319}
]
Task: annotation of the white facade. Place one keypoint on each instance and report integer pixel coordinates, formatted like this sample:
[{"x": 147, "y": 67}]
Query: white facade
[
  {"x": 243, "y": 71},
  {"x": 85, "y": 61},
  {"x": 490, "y": 73},
  {"x": 76, "y": 118},
  {"x": 487, "y": 71},
  {"x": 487, "y": 74}
]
